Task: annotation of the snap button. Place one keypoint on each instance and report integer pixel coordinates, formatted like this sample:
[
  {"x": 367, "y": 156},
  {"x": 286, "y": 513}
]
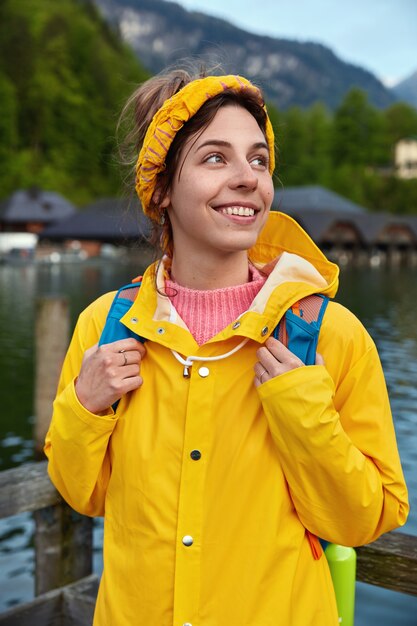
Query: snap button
[
  {"x": 187, "y": 540},
  {"x": 187, "y": 624},
  {"x": 160, "y": 331},
  {"x": 204, "y": 371},
  {"x": 195, "y": 455},
  {"x": 264, "y": 331},
  {"x": 236, "y": 325},
  {"x": 134, "y": 320}
]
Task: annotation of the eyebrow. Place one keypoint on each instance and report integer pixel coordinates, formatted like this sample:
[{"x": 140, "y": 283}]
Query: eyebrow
[{"x": 227, "y": 144}]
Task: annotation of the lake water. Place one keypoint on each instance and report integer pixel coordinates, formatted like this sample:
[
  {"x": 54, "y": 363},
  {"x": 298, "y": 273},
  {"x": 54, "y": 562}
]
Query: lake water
[{"x": 384, "y": 299}]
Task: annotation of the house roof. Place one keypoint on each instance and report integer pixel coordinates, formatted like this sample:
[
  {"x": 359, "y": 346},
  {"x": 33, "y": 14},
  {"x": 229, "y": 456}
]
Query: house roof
[
  {"x": 35, "y": 205},
  {"x": 322, "y": 213},
  {"x": 318, "y": 223},
  {"x": 312, "y": 198},
  {"x": 371, "y": 228},
  {"x": 108, "y": 219},
  {"x": 121, "y": 220}
]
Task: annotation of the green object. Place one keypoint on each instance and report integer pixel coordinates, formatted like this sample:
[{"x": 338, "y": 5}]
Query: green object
[{"x": 342, "y": 564}]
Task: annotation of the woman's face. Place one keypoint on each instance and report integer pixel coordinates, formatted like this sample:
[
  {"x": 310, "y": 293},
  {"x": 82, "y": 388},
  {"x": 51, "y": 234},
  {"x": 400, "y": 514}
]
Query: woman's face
[{"x": 222, "y": 191}]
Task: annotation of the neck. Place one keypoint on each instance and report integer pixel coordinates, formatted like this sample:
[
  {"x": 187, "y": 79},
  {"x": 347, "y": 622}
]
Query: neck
[{"x": 209, "y": 273}]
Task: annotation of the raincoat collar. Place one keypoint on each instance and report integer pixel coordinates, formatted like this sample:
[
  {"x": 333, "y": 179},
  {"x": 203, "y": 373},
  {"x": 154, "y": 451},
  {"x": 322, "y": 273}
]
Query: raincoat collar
[
  {"x": 282, "y": 234},
  {"x": 295, "y": 267}
]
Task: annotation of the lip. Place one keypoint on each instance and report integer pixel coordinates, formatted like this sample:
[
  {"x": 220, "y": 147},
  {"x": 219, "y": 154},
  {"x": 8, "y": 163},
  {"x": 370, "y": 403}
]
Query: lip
[
  {"x": 238, "y": 219},
  {"x": 225, "y": 205}
]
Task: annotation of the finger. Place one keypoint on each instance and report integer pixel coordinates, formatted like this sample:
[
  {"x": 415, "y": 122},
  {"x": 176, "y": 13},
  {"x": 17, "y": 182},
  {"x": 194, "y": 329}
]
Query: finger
[
  {"x": 127, "y": 345},
  {"x": 119, "y": 388},
  {"x": 279, "y": 351},
  {"x": 132, "y": 383},
  {"x": 130, "y": 371},
  {"x": 319, "y": 359},
  {"x": 280, "y": 360},
  {"x": 132, "y": 356},
  {"x": 269, "y": 361},
  {"x": 123, "y": 357},
  {"x": 258, "y": 368},
  {"x": 128, "y": 357},
  {"x": 260, "y": 372}
]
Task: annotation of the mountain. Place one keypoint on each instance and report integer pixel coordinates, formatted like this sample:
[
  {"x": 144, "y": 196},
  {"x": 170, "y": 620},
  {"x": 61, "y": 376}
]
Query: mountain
[
  {"x": 290, "y": 72},
  {"x": 406, "y": 90}
]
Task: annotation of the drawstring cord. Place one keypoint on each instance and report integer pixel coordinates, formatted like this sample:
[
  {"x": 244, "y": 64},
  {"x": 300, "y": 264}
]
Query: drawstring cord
[{"x": 188, "y": 362}]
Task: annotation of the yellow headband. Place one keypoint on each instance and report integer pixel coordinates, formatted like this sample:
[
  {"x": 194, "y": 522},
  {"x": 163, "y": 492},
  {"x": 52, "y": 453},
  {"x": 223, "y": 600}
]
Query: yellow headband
[{"x": 170, "y": 118}]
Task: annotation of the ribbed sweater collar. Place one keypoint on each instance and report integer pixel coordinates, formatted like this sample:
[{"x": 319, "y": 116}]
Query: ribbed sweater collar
[{"x": 207, "y": 312}]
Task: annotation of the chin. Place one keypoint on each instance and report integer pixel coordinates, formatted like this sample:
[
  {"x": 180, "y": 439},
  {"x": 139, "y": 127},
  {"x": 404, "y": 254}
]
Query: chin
[{"x": 240, "y": 243}]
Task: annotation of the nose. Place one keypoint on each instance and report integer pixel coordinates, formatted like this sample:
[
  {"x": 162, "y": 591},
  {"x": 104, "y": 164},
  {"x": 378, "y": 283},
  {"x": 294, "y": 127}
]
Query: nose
[{"x": 243, "y": 177}]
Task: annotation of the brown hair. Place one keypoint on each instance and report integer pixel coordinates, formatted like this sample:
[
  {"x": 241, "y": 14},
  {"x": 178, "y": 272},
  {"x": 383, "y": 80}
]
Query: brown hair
[{"x": 138, "y": 113}]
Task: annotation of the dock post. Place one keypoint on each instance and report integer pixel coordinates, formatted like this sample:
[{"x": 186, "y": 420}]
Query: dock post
[
  {"x": 63, "y": 547},
  {"x": 51, "y": 343},
  {"x": 63, "y": 538}
]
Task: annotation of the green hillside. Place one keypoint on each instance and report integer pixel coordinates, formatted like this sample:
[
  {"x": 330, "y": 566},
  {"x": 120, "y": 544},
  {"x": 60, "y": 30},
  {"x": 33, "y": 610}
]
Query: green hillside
[
  {"x": 350, "y": 151},
  {"x": 64, "y": 76}
]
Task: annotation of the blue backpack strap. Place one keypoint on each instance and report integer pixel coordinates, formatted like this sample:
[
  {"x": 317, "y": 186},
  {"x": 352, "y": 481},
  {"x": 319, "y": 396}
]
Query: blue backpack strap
[
  {"x": 300, "y": 327},
  {"x": 113, "y": 329}
]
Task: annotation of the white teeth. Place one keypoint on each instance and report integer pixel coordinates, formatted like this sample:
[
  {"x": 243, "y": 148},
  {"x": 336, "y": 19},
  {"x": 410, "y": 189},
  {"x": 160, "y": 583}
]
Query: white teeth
[{"x": 239, "y": 210}]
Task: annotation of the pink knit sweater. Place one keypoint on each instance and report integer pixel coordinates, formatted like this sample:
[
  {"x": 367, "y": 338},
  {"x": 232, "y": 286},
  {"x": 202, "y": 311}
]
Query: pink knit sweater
[{"x": 207, "y": 312}]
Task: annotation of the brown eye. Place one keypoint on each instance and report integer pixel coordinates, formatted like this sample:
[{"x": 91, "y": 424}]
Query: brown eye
[
  {"x": 260, "y": 161},
  {"x": 214, "y": 158}
]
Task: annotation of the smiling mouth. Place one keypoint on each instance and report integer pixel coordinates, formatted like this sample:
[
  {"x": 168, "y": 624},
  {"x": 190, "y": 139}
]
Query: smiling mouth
[{"x": 242, "y": 211}]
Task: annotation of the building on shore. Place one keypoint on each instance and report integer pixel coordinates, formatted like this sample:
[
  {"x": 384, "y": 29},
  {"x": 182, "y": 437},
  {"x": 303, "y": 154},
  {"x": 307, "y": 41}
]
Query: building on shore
[
  {"x": 23, "y": 215},
  {"x": 406, "y": 158},
  {"x": 105, "y": 225},
  {"x": 31, "y": 210},
  {"x": 347, "y": 232}
]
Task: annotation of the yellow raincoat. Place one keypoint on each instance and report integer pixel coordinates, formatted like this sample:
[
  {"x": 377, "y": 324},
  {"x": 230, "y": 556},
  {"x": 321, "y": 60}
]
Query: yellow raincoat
[{"x": 208, "y": 485}]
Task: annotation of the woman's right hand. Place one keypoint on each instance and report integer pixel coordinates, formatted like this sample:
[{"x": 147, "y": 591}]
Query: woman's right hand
[{"x": 108, "y": 372}]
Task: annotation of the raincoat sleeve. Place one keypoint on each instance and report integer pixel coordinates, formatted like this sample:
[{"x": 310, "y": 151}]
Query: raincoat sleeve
[
  {"x": 77, "y": 441},
  {"x": 333, "y": 429}
]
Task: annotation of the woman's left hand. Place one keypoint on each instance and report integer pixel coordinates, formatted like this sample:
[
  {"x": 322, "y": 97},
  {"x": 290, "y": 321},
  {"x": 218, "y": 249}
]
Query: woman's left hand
[{"x": 275, "y": 359}]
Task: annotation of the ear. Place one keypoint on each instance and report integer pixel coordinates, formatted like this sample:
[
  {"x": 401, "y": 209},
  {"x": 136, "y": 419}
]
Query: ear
[
  {"x": 162, "y": 202},
  {"x": 165, "y": 202}
]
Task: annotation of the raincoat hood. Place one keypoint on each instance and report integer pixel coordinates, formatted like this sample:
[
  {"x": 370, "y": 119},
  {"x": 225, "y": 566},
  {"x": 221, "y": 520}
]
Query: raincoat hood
[{"x": 282, "y": 241}]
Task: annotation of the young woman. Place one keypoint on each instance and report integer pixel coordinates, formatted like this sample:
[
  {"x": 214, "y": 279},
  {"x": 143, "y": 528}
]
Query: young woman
[{"x": 226, "y": 456}]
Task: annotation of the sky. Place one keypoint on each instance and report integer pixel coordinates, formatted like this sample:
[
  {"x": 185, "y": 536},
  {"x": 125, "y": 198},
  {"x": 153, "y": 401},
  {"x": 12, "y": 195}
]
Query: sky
[{"x": 378, "y": 35}]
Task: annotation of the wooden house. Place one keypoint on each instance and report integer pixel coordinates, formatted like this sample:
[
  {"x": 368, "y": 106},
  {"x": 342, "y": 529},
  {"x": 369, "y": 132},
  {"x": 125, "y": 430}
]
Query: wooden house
[
  {"x": 31, "y": 210},
  {"x": 117, "y": 221},
  {"x": 345, "y": 231}
]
